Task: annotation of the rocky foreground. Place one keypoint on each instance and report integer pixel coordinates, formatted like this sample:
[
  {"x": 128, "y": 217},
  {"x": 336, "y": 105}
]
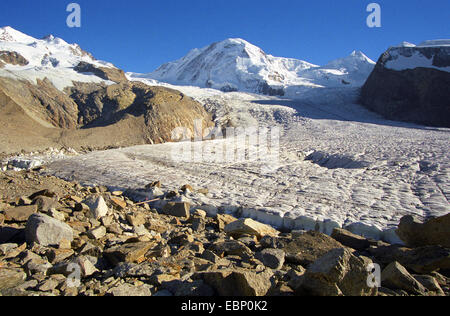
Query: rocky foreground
[{"x": 60, "y": 238}]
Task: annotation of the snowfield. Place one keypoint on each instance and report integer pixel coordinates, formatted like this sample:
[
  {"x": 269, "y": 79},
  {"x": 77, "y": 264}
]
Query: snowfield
[{"x": 339, "y": 165}]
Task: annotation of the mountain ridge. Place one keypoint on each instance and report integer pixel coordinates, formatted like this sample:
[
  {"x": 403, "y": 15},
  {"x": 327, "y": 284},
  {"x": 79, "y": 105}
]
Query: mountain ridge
[{"x": 237, "y": 65}]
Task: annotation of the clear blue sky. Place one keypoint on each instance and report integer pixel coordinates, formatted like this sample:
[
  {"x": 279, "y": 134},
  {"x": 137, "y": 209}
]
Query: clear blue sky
[{"x": 140, "y": 35}]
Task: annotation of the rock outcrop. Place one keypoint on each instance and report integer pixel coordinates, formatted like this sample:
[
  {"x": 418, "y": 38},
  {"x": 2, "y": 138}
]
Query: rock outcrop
[{"x": 411, "y": 84}]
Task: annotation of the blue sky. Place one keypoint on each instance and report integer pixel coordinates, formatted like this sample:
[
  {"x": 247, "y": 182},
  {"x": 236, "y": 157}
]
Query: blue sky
[{"x": 140, "y": 35}]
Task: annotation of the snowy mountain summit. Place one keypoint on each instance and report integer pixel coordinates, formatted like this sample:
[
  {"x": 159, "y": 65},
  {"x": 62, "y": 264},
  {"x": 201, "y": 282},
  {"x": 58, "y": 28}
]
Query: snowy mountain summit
[
  {"x": 50, "y": 57},
  {"x": 237, "y": 65}
]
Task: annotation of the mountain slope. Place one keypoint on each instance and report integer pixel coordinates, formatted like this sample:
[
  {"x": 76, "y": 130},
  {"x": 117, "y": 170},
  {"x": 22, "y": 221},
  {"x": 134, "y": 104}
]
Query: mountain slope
[
  {"x": 411, "y": 83},
  {"x": 237, "y": 65},
  {"x": 55, "y": 94}
]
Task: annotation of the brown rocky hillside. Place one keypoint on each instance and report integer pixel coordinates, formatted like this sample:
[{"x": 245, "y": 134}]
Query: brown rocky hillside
[{"x": 88, "y": 115}]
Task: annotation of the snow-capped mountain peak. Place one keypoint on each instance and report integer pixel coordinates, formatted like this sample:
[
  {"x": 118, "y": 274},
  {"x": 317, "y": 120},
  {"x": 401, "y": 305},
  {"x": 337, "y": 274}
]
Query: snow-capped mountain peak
[
  {"x": 50, "y": 57},
  {"x": 235, "y": 64}
]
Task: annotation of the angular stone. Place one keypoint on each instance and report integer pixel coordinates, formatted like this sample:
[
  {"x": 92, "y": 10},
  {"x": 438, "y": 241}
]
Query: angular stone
[
  {"x": 430, "y": 283},
  {"x": 97, "y": 206},
  {"x": 157, "y": 226},
  {"x": 350, "y": 240},
  {"x": 2, "y": 219},
  {"x": 47, "y": 231},
  {"x": 396, "y": 277},
  {"x": 119, "y": 203},
  {"x": 272, "y": 258},
  {"x": 337, "y": 273},
  {"x": 20, "y": 213},
  {"x": 136, "y": 219},
  {"x": 181, "y": 239},
  {"x": 199, "y": 213},
  {"x": 59, "y": 255},
  {"x": 48, "y": 285},
  {"x": 132, "y": 252},
  {"x": 23, "y": 200},
  {"x": 231, "y": 248},
  {"x": 97, "y": 233},
  {"x": 177, "y": 209},
  {"x": 309, "y": 247},
  {"x": 126, "y": 289},
  {"x": 198, "y": 224},
  {"x": 249, "y": 227},
  {"x": 10, "y": 278},
  {"x": 45, "y": 204},
  {"x": 6, "y": 248},
  {"x": 86, "y": 266},
  {"x": 434, "y": 232},
  {"x": 238, "y": 282},
  {"x": 76, "y": 199},
  {"x": 224, "y": 219},
  {"x": 56, "y": 215}
]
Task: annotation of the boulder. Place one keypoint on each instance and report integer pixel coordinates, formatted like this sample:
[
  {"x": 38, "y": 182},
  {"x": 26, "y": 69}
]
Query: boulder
[
  {"x": 272, "y": 258},
  {"x": 238, "y": 282},
  {"x": 45, "y": 203},
  {"x": 10, "y": 278},
  {"x": 132, "y": 252},
  {"x": 47, "y": 231},
  {"x": 177, "y": 209},
  {"x": 126, "y": 289},
  {"x": 97, "y": 206},
  {"x": 249, "y": 227},
  {"x": 435, "y": 231},
  {"x": 430, "y": 283},
  {"x": 350, "y": 240},
  {"x": 231, "y": 248},
  {"x": 337, "y": 273},
  {"x": 309, "y": 247},
  {"x": 396, "y": 277}
]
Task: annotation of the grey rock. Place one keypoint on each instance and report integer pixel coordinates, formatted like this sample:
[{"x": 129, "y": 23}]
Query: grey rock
[
  {"x": 126, "y": 289},
  {"x": 97, "y": 206},
  {"x": 10, "y": 278},
  {"x": 337, "y": 273},
  {"x": 177, "y": 209},
  {"x": 47, "y": 231},
  {"x": 272, "y": 258}
]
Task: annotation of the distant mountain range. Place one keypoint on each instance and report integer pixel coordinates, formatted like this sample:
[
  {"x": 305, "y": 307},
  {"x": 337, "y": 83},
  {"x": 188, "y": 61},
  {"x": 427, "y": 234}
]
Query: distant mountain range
[{"x": 236, "y": 65}]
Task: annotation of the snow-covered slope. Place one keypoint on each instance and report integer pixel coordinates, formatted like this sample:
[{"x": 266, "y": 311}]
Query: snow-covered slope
[
  {"x": 237, "y": 65},
  {"x": 49, "y": 57},
  {"x": 429, "y": 54}
]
